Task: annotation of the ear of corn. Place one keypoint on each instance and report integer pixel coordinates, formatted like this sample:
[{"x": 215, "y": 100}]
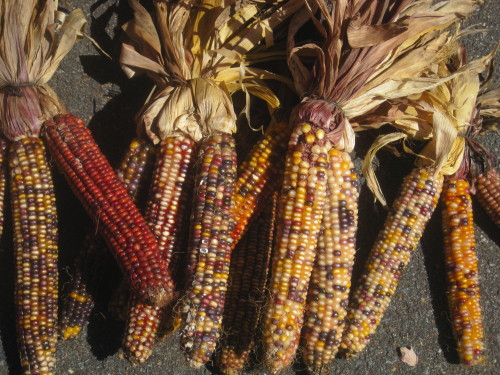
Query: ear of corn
[
  {"x": 79, "y": 303},
  {"x": 246, "y": 293},
  {"x": 35, "y": 241},
  {"x": 298, "y": 223},
  {"x": 260, "y": 174},
  {"x": 488, "y": 194},
  {"x": 91, "y": 262},
  {"x": 3, "y": 179},
  {"x": 143, "y": 322},
  {"x": 210, "y": 248},
  {"x": 461, "y": 271},
  {"x": 390, "y": 255},
  {"x": 118, "y": 306},
  {"x": 166, "y": 213},
  {"x": 109, "y": 205},
  {"x": 331, "y": 275}
]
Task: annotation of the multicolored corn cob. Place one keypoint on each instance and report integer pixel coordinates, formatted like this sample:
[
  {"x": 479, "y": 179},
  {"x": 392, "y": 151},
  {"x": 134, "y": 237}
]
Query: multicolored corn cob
[
  {"x": 390, "y": 255},
  {"x": 461, "y": 271},
  {"x": 91, "y": 262},
  {"x": 119, "y": 302},
  {"x": 331, "y": 276},
  {"x": 3, "y": 179},
  {"x": 260, "y": 174},
  {"x": 210, "y": 247},
  {"x": 488, "y": 194},
  {"x": 300, "y": 213},
  {"x": 109, "y": 205},
  {"x": 79, "y": 303},
  {"x": 35, "y": 240},
  {"x": 246, "y": 293},
  {"x": 167, "y": 212}
]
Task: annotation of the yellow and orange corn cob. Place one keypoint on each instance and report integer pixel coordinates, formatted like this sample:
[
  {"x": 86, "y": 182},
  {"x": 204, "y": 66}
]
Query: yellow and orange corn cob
[
  {"x": 488, "y": 194},
  {"x": 3, "y": 179},
  {"x": 461, "y": 271},
  {"x": 328, "y": 293},
  {"x": 299, "y": 219},
  {"x": 212, "y": 225},
  {"x": 260, "y": 174},
  {"x": 91, "y": 262},
  {"x": 390, "y": 255},
  {"x": 118, "y": 220},
  {"x": 35, "y": 240},
  {"x": 246, "y": 293},
  {"x": 166, "y": 213}
]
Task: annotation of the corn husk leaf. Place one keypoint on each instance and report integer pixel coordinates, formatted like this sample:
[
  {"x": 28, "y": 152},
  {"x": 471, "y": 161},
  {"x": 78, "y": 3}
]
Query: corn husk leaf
[
  {"x": 489, "y": 106},
  {"x": 373, "y": 51},
  {"x": 446, "y": 113},
  {"x": 34, "y": 38},
  {"x": 206, "y": 42}
]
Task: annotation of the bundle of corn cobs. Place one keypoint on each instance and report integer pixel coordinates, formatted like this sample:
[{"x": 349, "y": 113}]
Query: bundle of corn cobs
[{"x": 233, "y": 215}]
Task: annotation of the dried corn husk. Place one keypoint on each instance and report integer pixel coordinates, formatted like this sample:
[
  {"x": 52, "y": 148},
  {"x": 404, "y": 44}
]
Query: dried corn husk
[
  {"x": 443, "y": 115},
  {"x": 196, "y": 53},
  {"x": 375, "y": 59},
  {"x": 34, "y": 38}
]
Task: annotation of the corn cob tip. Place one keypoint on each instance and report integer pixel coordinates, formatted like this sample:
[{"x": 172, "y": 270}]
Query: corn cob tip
[
  {"x": 230, "y": 363},
  {"x": 321, "y": 370},
  {"x": 70, "y": 333},
  {"x": 137, "y": 355},
  {"x": 194, "y": 364}
]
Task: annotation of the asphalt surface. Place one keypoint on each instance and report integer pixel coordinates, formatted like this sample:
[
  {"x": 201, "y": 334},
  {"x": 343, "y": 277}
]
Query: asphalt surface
[{"x": 94, "y": 88}]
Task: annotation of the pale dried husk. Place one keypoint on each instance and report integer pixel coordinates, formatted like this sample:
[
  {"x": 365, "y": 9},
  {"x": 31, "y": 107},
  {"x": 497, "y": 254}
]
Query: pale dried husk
[
  {"x": 386, "y": 46},
  {"x": 196, "y": 53},
  {"x": 442, "y": 115},
  {"x": 34, "y": 38}
]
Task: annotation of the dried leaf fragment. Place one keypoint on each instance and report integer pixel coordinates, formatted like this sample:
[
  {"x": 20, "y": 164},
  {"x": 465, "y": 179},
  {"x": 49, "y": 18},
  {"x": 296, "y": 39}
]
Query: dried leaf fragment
[{"x": 408, "y": 355}]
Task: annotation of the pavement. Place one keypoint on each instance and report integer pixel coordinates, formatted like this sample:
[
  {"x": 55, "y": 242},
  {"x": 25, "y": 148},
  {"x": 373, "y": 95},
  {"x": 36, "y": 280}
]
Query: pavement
[{"x": 94, "y": 88}]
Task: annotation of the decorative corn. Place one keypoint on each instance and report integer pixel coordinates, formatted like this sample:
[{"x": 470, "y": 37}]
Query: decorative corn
[
  {"x": 118, "y": 306},
  {"x": 133, "y": 173},
  {"x": 209, "y": 248},
  {"x": 488, "y": 194},
  {"x": 461, "y": 271},
  {"x": 331, "y": 275},
  {"x": 260, "y": 174},
  {"x": 79, "y": 303},
  {"x": 246, "y": 293},
  {"x": 389, "y": 256},
  {"x": 169, "y": 202},
  {"x": 109, "y": 205},
  {"x": 143, "y": 322},
  {"x": 166, "y": 214},
  {"x": 300, "y": 214},
  {"x": 3, "y": 178},
  {"x": 35, "y": 240}
]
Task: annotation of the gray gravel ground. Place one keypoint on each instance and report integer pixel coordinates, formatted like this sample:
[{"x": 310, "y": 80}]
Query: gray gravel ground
[{"x": 95, "y": 89}]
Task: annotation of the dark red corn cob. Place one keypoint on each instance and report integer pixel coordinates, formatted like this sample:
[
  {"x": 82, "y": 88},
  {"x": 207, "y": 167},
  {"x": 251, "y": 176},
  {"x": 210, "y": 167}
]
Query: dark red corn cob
[
  {"x": 166, "y": 213},
  {"x": 3, "y": 178},
  {"x": 35, "y": 241},
  {"x": 109, "y": 205},
  {"x": 210, "y": 248},
  {"x": 91, "y": 262},
  {"x": 250, "y": 262}
]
